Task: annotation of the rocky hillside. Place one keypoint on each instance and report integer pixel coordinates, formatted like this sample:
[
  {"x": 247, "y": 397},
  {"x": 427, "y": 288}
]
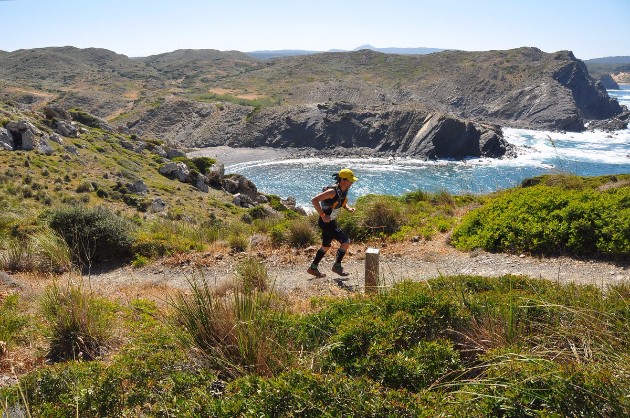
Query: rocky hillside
[
  {"x": 449, "y": 104},
  {"x": 612, "y": 71}
]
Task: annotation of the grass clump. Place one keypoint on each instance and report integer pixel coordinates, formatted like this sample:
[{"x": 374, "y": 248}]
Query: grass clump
[
  {"x": 40, "y": 251},
  {"x": 252, "y": 275},
  {"x": 163, "y": 237},
  {"x": 233, "y": 333},
  {"x": 12, "y": 322},
  {"x": 79, "y": 322}
]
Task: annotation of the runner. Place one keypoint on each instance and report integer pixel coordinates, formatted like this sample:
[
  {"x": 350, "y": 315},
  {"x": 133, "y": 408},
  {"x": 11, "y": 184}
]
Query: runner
[{"x": 327, "y": 204}]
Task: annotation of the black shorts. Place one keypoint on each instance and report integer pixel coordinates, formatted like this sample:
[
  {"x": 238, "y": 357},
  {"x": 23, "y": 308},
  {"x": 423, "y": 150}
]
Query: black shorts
[{"x": 331, "y": 231}]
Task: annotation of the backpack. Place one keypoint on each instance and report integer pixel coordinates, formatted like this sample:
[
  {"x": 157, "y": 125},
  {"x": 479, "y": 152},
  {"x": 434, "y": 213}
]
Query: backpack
[{"x": 335, "y": 202}]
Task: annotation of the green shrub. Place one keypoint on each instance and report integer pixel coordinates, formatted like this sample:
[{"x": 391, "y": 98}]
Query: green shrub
[
  {"x": 79, "y": 323},
  {"x": 139, "y": 261},
  {"x": 300, "y": 234},
  {"x": 92, "y": 234},
  {"x": 258, "y": 212},
  {"x": 203, "y": 164},
  {"x": 304, "y": 393},
  {"x": 551, "y": 220},
  {"x": 516, "y": 385},
  {"x": 382, "y": 216},
  {"x": 238, "y": 240},
  {"x": 85, "y": 187},
  {"x": 278, "y": 234}
]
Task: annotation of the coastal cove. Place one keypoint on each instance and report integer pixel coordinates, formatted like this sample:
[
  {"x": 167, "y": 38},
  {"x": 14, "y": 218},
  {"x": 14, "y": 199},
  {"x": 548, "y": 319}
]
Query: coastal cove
[{"x": 288, "y": 172}]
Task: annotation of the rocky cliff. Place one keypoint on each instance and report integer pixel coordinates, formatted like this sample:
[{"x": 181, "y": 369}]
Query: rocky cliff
[{"x": 443, "y": 105}]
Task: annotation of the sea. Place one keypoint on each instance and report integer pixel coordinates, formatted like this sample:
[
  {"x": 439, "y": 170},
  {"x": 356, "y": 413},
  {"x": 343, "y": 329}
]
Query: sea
[{"x": 589, "y": 153}]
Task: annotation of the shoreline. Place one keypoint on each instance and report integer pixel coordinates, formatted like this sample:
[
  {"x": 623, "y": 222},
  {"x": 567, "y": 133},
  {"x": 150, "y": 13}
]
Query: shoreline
[{"x": 230, "y": 156}]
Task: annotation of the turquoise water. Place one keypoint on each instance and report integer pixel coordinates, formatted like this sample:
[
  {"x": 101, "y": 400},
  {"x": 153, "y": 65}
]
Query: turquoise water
[{"x": 539, "y": 152}]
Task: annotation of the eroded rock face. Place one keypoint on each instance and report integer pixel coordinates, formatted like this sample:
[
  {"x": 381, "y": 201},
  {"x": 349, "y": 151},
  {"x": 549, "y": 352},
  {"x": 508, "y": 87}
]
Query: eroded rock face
[{"x": 407, "y": 132}]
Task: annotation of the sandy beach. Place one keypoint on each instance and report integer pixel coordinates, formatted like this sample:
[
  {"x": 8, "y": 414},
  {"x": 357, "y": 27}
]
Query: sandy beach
[{"x": 230, "y": 156}]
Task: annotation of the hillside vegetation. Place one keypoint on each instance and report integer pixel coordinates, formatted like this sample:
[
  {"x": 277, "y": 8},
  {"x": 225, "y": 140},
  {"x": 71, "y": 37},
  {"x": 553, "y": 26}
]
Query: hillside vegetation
[
  {"x": 463, "y": 346},
  {"x": 453, "y": 346},
  {"x": 458, "y": 346},
  {"x": 617, "y": 67},
  {"x": 217, "y": 97}
]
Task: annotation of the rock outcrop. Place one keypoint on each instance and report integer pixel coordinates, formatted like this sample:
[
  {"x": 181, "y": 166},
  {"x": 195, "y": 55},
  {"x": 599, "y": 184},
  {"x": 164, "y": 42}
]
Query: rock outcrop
[
  {"x": 397, "y": 130},
  {"x": 608, "y": 82}
]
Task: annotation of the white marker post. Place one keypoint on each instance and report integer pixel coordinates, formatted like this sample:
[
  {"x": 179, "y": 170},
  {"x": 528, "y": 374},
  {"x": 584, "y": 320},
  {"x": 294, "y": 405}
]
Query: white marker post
[{"x": 371, "y": 270}]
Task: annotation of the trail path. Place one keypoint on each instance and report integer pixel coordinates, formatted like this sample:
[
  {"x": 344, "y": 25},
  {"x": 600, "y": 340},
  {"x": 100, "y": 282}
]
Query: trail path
[{"x": 402, "y": 261}]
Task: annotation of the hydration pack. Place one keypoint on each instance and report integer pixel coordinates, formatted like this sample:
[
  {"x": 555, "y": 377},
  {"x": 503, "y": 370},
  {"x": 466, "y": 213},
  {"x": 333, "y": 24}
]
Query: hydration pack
[{"x": 335, "y": 202}]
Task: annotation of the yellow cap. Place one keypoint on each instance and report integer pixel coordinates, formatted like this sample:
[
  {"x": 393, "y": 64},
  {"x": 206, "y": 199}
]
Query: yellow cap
[{"x": 346, "y": 173}]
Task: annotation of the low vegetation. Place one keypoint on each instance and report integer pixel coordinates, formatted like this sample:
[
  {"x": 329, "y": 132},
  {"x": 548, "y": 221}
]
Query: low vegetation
[
  {"x": 558, "y": 215},
  {"x": 453, "y": 346}
]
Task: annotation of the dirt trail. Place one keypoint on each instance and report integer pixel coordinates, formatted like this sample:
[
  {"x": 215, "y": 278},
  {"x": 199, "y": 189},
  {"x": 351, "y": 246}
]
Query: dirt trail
[
  {"x": 403, "y": 261},
  {"x": 287, "y": 269}
]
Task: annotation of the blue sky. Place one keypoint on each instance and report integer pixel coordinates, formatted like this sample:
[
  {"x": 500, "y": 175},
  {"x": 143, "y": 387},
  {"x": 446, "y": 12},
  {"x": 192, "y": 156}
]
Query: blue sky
[{"x": 146, "y": 27}]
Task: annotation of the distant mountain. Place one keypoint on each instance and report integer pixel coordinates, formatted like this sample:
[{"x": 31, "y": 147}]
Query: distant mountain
[
  {"x": 321, "y": 100},
  {"x": 268, "y": 54},
  {"x": 610, "y": 70},
  {"x": 401, "y": 51},
  {"x": 609, "y": 60}
]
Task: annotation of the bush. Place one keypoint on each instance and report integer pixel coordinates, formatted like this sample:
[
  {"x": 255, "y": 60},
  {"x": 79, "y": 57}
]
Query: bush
[
  {"x": 550, "y": 220},
  {"x": 203, "y": 164},
  {"x": 92, "y": 234},
  {"x": 278, "y": 234},
  {"x": 300, "y": 234},
  {"x": 79, "y": 323},
  {"x": 375, "y": 216}
]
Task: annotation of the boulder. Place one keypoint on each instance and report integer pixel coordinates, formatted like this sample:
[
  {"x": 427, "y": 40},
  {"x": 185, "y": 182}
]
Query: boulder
[
  {"x": 56, "y": 138},
  {"x": 290, "y": 203},
  {"x": 28, "y": 141},
  {"x": 179, "y": 171},
  {"x": 243, "y": 201},
  {"x": 54, "y": 111},
  {"x": 200, "y": 182},
  {"x": 6, "y": 139},
  {"x": 66, "y": 129},
  {"x": 215, "y": 175},
  {"x": 25, "y": 135},
  {"x": 44, "y": 147},
  {"x": 138, "y": 187},
  {"x": 160, "y": 151},
  {"x": 444, "y": 136},
  {"x": 174, "y": 153},
  {"x": 135, "y": 146},
  {"x": 238, "y": 183},
  {"x": 157, "y": 205}
]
